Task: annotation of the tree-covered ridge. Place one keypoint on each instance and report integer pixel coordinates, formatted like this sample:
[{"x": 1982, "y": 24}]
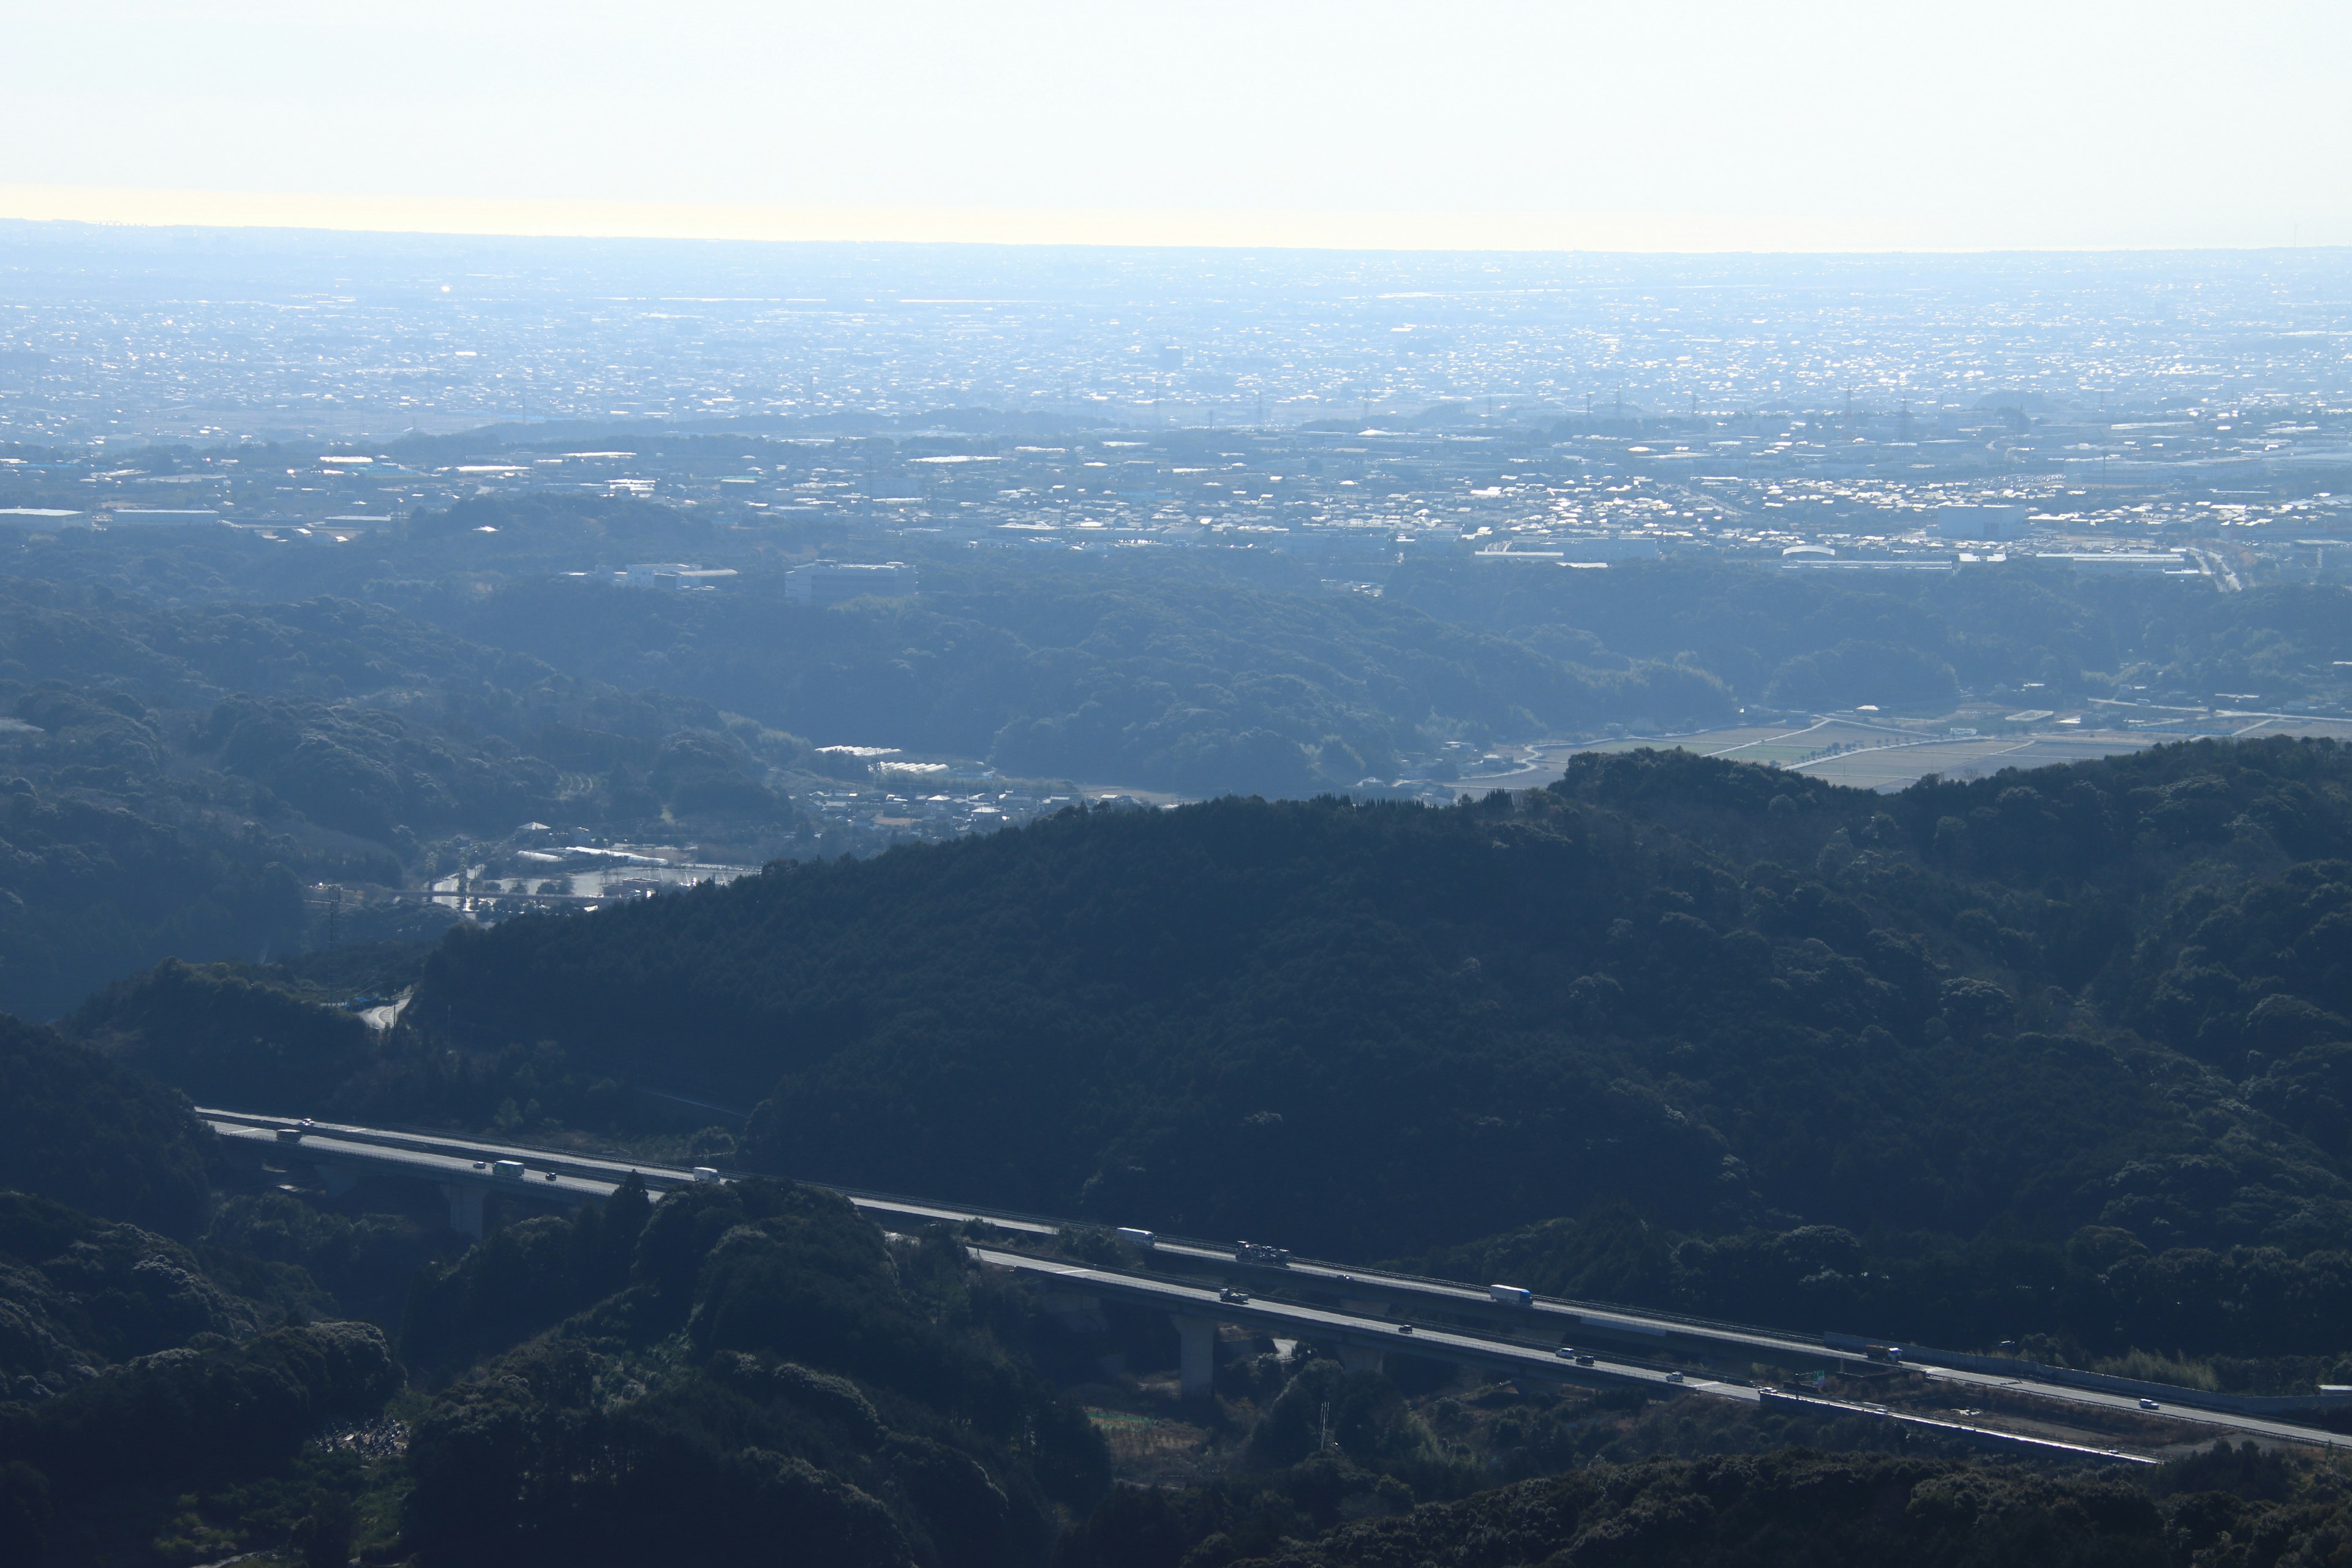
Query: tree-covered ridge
[
  {"x": 92, "y": 888},
  {"x": 729, "y": 1367},
  {"x": 741, "y": 1365},
  {"x": 218, "y": 721},
  {"x": 173, "y": 774},
  {"x": 733, "y": 1368},
  {"x": 225, "y": 1039},
  {"x": 1813, "y": 639},
  {"x": 1793, "y": 1507},
  {"x": 261, "y": 1037},
  {"x": 1177, "y": 681},
  {"x": 1197, "y": 670},
  {"x": 1733, "y": 999},
  {"x": 102, "y": 1138},
  {"x": 2262, "y": 1318},
  {"x": 180, "y": 654},
  {"x": 1154, "y": 673},
  {"x": 361, "y": 719},
  {"x": 80, "y": 1294},
  {"x": 133, "y": 1368},
  {"x": 1755, "y": 1054},
  {"x": 210, "y": 1412}
]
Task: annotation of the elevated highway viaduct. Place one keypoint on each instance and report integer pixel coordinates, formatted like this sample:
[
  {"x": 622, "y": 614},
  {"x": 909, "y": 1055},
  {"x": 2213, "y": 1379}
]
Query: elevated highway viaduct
[{"x": 1360, "y": 1313}]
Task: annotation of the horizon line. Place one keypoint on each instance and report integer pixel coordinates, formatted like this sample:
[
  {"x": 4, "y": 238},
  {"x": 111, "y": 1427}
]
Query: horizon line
[{"x": 1358, "y": 230}]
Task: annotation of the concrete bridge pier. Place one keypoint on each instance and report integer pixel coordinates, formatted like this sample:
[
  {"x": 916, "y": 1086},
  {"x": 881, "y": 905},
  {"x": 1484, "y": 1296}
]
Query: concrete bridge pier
[
  {"x": 1360, "y": 1358},
  {"x": 1197, "y": 1355},
  {"x": 337, "y": 1179},
  {"x": 465, "y": 1209}
]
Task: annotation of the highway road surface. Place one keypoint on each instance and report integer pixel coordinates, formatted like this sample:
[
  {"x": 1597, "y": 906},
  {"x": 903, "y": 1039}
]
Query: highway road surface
[
  {"x": 1297, "y": 1298},
  {"x": 1536, "y": 1363}
]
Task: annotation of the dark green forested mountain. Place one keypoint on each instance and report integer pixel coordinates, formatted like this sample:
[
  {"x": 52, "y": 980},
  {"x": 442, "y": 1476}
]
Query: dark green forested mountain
[
  {"x": 1782, "y": 1510},
  {"x": 136, "y": 1361},
  {"x": 1227, "y": 670},
  {"x": 1182, "y": 678},
  {"x": 2060, "y": 1057},
  {"x": 183, "y": 1374},
  {"x": 1794, "y": 639},
  {"x": 101, "y": 1137},
  {"x": 1216, "y": 670},
  {"x": 707, "y": 1377},
  {"x": 2052, "y": 1055},
  {"x": 2037, "y": 1044},
  {"x": 205, "y": 721},
  {"x": 790, "y": 1380},
  {"x": 734, "y": 1372},
  {"x": 174, "y": 775}
]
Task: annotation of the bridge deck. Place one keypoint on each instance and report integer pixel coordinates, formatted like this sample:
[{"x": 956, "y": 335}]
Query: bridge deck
[{"x": 1516, "y": 1340}]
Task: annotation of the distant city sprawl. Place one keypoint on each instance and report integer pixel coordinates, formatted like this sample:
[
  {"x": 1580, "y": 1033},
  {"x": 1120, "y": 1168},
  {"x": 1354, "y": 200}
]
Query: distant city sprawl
[{"x": 2130, "y": 413}]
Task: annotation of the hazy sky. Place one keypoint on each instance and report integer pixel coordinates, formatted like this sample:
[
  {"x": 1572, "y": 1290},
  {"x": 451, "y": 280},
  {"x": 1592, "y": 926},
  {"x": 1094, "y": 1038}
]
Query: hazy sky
[{"x": 1637, "y": 124}]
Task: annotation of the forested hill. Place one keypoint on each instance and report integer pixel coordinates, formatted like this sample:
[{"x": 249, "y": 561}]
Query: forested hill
[
  {"x": 1198, "y": 670},
  {"x": 2108, "y": 995},
  {"x": 172, "y": 775},
  {"x": 189, "y": 1376},
  {"x": 2058, "y": 1057}
]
